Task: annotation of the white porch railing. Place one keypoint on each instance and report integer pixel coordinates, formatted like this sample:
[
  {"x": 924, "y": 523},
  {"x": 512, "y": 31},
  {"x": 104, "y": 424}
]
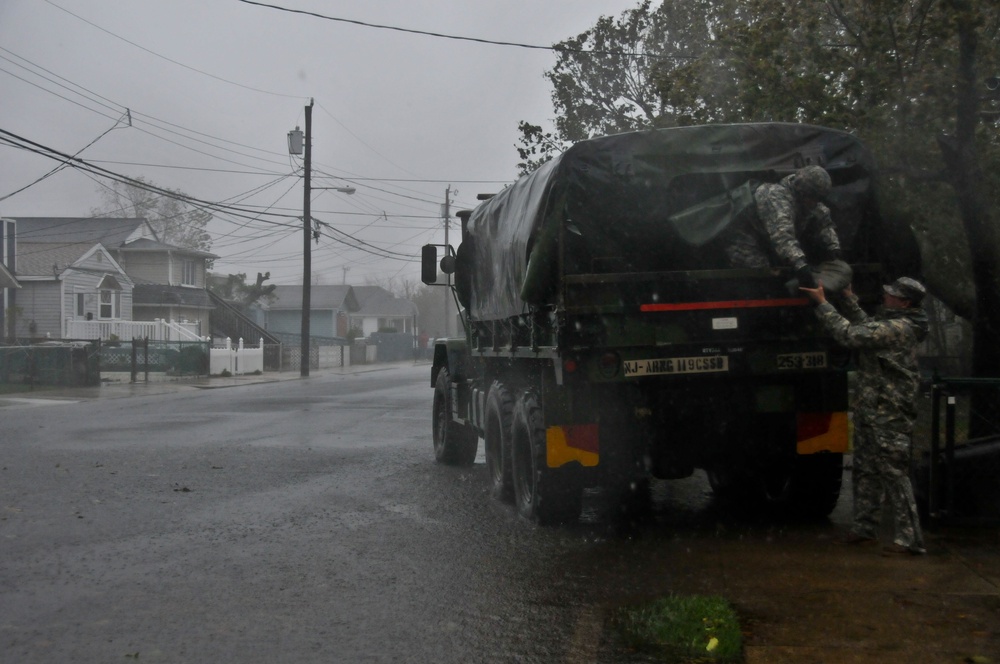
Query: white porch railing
[
  {"x": 126, "y": 330},
  {"x": 236, "y": 360}
]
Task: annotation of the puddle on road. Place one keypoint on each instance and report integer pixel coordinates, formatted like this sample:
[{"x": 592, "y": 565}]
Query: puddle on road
[{"x": 25, "y": 402}]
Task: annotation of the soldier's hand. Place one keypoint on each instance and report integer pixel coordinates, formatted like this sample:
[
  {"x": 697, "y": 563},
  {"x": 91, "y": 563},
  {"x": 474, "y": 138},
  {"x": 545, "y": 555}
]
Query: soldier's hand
[
  {"x": 805, "y": 277},
  {"x": 817, "y": 295}
]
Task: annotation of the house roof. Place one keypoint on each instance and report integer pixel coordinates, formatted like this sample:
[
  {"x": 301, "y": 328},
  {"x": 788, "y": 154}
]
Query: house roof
[
  {"x": 146, "y": 244},
  {"x": 159, "y": 295},
  {"x": 48, "y": 260},
  {"x": 111, "y": 232},
  {"x": 52, "y": 260},
  {"x": 289, "y": 298},
  {"x": 377, "y": 301}
]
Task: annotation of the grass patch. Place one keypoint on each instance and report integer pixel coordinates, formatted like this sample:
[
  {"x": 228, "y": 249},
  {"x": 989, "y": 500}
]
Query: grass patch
[{"x": 692, "y": 628}]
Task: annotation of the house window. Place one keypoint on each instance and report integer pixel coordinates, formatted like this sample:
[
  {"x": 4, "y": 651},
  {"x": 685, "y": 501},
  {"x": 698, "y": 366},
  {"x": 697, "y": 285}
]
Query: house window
[
  {"x": 81, "y": 305},
  {"x": 110, "y": 304},
  {"x": 189, "y": 277}
]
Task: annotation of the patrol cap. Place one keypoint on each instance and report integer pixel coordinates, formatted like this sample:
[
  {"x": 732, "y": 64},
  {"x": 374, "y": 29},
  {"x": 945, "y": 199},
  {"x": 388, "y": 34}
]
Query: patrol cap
[
  {"x": 812, "y": 182},
  {"x": 906, "y": 288}
]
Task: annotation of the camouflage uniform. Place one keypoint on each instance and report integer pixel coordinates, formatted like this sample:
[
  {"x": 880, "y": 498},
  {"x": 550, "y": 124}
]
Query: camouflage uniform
[
  {"x": 775, "y": 235},
  {"x": 884, "y": 413}
]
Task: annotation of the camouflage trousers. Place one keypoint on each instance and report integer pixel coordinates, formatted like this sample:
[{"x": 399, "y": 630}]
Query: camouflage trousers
[
  {"x": 743, "y": 249},
  {"x": 882, "y": 481}
]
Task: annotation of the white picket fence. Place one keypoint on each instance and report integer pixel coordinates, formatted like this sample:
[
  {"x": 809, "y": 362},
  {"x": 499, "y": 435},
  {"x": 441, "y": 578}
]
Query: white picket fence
[
  {"x": 126, "y": 330},
  {"x": 236, "y": 359}
]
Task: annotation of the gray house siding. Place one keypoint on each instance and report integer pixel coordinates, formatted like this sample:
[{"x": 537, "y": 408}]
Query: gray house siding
[
  {"x": 284, "y": 322},
  {"x": 321, "y": 323},
  {"x": 76, "y": 283},
  {"x": 177, "y": 267},
  {"x": 145, "y": 267},
  {"x": 40, "y": 304}
]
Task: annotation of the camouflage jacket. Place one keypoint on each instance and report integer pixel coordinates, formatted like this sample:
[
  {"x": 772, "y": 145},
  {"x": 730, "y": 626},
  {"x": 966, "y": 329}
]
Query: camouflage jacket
[
  {"x": 787, "y": 226},
  {"x": 887, "y": 361}
]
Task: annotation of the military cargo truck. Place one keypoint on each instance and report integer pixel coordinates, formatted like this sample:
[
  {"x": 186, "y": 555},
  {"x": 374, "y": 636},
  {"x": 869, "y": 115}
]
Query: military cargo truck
[{"x": 607, "y": 341}]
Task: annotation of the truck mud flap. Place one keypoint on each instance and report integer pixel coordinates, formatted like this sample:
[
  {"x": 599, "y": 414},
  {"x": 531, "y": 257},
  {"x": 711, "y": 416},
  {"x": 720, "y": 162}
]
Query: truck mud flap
[
  {"x": 574, "y": 443},
  {"x": 822, "y": 432}
]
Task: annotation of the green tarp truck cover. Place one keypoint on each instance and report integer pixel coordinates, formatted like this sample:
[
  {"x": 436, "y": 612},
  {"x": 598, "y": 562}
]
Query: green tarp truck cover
[{"x": 648, "y": 201}]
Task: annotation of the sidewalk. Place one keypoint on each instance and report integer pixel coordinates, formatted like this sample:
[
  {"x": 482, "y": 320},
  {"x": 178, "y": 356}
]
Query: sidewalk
[
  {"x": 123, "y": 389},
  {"x": 809, "y": 598}
]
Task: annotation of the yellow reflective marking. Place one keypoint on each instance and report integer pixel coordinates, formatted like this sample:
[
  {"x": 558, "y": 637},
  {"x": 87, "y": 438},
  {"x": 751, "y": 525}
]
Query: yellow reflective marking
[
  {"x": 559, "y": 453},
  {"x": 834, "y": 440}
]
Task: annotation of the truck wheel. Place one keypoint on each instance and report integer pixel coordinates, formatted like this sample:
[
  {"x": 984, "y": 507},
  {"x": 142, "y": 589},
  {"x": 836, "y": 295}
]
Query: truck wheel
[
  {"x": 454, "y": 444},
  {"x": 815, "y": 485},
  {"x": 542, "y": 494},
  {"x": 730, "y": 484},
  {"x": 499, "y": 416}
]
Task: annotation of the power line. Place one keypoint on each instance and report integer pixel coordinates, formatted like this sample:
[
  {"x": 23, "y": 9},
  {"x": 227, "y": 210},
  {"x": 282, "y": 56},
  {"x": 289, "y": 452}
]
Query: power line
[
  {"x": 163, "y": 57},
  {"x": 76, "y": 162},
  {"x": 441, "y": 35},
  {"x": 62, "y": 165},
  {"x": 150, "y": 121}
]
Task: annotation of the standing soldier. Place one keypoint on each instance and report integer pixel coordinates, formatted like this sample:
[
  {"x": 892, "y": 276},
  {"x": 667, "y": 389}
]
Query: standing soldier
[
  {"x": 791, "y": 223},
  {"x": 885, "y": 409}
]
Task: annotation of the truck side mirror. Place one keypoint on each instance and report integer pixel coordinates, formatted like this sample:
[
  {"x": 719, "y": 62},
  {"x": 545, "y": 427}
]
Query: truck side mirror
[
  {"x": 448, "y": 265},
  {"x": 428, "y": 264}
]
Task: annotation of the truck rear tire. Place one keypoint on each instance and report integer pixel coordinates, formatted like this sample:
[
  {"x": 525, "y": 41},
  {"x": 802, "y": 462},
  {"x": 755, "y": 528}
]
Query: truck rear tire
[
  {"x": 454, "y": 444},
  {"x": 542, "y": 494},
  {"x": 808, "y": 486},
  {"x": 815, "y": 486},
  {"x": 499, "y": 417}
]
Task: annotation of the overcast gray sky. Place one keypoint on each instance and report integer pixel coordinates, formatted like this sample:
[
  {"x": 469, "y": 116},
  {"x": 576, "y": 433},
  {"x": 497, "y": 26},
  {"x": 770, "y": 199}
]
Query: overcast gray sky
[{"x": 214, "y": 86}]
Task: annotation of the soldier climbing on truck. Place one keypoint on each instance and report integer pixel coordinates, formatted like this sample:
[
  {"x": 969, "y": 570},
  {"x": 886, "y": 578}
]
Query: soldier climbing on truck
[{"x": 609, "y": 341}]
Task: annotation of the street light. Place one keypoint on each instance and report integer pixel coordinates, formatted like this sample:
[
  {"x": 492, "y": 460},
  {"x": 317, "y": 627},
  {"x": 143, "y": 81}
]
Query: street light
[
  {"x": 299, "y": 143},
  {"x": 343, "y": 190}
]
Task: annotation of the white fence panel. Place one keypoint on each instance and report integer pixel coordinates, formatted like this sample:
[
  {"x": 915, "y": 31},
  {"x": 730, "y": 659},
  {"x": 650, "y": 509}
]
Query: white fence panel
[
  {"x": 237, "y": 360},
  {"x": 126, "y": 330}
]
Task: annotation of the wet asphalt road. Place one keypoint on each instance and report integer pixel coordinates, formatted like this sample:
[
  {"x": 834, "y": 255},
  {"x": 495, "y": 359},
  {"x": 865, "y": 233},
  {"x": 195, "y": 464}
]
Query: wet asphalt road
[{"x": 301, "y": 521}]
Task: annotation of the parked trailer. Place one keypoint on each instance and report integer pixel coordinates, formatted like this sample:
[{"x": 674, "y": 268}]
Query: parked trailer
[{"x": 607, "y": 342}]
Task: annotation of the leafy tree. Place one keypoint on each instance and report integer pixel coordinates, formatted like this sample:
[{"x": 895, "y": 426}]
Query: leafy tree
[
  {"x": 171, "y": 218},
  {"x": 616, "y": 90},
  {"x": 905, "y": 75},
  {"x": 236, "y": 289}
]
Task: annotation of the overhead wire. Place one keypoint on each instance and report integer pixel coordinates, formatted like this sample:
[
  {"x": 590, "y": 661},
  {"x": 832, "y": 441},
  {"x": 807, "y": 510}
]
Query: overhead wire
[
  {"x": 62, "y": 165},
  {"x": 101, "y": 101},
  {"x": 150, "y": 122},
  {"x": 175, "y": 62},
  {"x": 246, "y": 213},
  {"x": 334, "y": 233},
  {"x": 479, "y": 40}
]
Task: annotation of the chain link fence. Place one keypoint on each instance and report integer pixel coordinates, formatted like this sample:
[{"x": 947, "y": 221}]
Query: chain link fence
[
  {"x": 141, "y": 357},
  {"x": 68, "y": 363}
]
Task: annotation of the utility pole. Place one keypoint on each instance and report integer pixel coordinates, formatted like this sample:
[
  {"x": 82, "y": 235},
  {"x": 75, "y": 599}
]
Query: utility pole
[
  {"x": 447, "y": 291},
  {"x": 306, "y": 247}
]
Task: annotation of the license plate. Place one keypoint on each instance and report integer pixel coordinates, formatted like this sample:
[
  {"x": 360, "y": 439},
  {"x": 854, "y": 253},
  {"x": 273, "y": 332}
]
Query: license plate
[
  {"x": 677, "y": 365},
  {"x": 815, "y": 360}
]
